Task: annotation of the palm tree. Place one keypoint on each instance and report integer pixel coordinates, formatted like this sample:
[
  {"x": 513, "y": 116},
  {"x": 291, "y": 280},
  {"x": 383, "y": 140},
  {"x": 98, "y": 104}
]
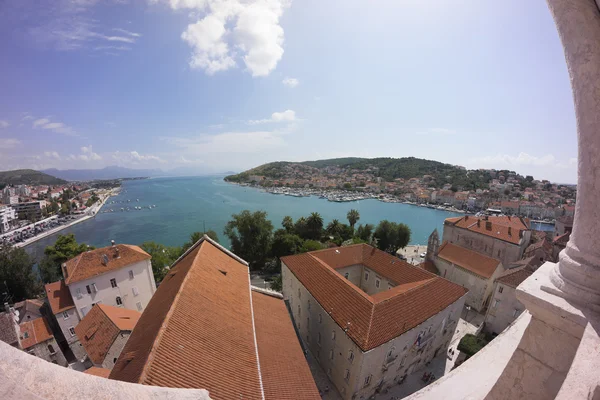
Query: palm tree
[
  {"x": 334, "y": 228},
  {"x": 314, "y": 223},
  {"x": 353, "y": 217},
  {"x": 288, "y": 223}
]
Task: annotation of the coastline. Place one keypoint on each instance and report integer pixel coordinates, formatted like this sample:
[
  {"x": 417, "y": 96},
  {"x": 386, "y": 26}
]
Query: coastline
[{"x": 90, "y": 214}]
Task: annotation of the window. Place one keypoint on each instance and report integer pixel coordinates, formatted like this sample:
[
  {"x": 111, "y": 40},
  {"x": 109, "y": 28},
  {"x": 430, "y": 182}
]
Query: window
[
  {"x": 319, "y": 338},
  {"x": 346, "y": 275},
  {"x": 366, "y": 276},
  {"x": 115, "y": 360},
  {"x": 377, "y": 282},
  {"x": 72, "y": 331},
  {"x": 367, "y": 380},
  {"x": 331, "y": 354},
  {"x": 130, "y": 274},
  {"x": 515, "y": 313},
  {"x": 299, "y": 294},
  {"x": 26, "y": 335},
  {"x": 496, "y": 302},
  {"x": 84, "y": 311},
  {"x": 320, "y": 318},
  {"x": 139, "y": 306},
  {"x": 307, "y": 339},
  {"x": 347, "y": 375},
  {"x": 351, "y": 356},
  {"x": 89, "y": 290},
  {"x": 51, "y": 349},
  {"x": 500, "y": 289},
  {"x": 119, "y": 301},
  {"x": 307, "y": 323},
  {"x": 332, "y": 335},
  {"x": 94, "y": 288},
  {"x": 135, "y": 291},
  {"x": 65, "y": 315},
  {"x": 113, "y": 283},
  {"x": 79, "y": 293},
  {"x": 299, "y": 310},
  {"x": 498, "y": 253}
]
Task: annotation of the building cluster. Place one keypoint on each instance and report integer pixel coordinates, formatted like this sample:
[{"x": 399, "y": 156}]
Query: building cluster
[{"x": 506, "y": 192}]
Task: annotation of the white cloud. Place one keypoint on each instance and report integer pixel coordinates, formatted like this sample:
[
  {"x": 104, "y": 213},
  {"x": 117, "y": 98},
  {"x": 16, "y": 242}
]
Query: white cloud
[
  {"x": 229, "y": 29},
  {"x": 290, "y": 82},
  {"x": 87, "y": 154},
  {"x": 58, "y": 127},
  {"x": 4, "y": 124},
  {"x": 437, "y": 131},
  {"x": 284, "y": 116},
  {"x": 9, "y": 143},
  {"x": 135, "y": 158},
  {"x": 126, "y": 32},
  {"x": 52, "y": 154},
  {"x": 118, "y": 48},
  {"x": 228, "y": 143}
]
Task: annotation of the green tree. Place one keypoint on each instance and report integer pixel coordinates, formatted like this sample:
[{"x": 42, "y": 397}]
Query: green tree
[
  {"x": 334, "y": 228},
  {"x": 194, "y": 237},
  {"x": 314, "y": 225},
  {"x": 285, "y": 244},
  {"x": 288, "y": 223},
  {"x": 347, "y": 186},
  {"x": 311, "y": 245},
  {"x": 251, "y": 235},
  {"x": 353, "y": 217},
  {"x": 300, "y": 228},
  {"x": 276, "y": 284},
  {"x": 391, "y": 236},
  {"x": 17, "y": 279},
  {"x": 162, "y": 258},
  {"x": 65, "y": 248},
  {"x": 365, "y": 232}
]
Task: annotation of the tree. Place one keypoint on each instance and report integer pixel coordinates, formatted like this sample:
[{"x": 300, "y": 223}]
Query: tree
[
  {"x": 353, "y": 217},
  {"x": 288, "y": 223},
  {"x": 285, "y": 244},
  {"x": 251, "y": 235},
  {"x": 365, "y": 232},
  {"x": 506, "y": 191},
  {"x": 276, "y": 284},
  {"x": 311, "y": 245},
  {"x": 65, "y": 248},
  {"x": 194, "y": 237},
  {"x": 334, "y": 228},
  {"x": 347, "y": 186},
  {"x": 314, "y": 225},
  {"x": 17, "y": 279},
  {"x": 300, "y": 228},
  {"x": 391, "y": 236},
  {"x": 162, "y": 258}
]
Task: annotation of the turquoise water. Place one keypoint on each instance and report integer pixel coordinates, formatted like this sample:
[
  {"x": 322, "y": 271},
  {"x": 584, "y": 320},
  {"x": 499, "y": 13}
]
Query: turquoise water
[{"x": 185, "y": 205}]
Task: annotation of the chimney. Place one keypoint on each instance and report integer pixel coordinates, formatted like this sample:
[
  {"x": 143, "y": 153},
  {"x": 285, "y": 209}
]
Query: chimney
[
  {"x": 64, "y": 270},
  {"x": 488, "y": 225},
  {"x": 112, "y": 242},
  {"x": 116, "y": 254}
]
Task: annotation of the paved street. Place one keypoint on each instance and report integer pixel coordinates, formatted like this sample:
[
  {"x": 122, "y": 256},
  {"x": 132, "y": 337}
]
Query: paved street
[
  {"x": 258, "y": 281},
  {"x": 412, "y": 253}
]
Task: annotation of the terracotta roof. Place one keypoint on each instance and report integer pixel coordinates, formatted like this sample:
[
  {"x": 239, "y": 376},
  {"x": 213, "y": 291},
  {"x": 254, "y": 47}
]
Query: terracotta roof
[
  {"x": 496, "y": 227},
  {"x": 468, "y": 259},
  {"x": 205, "y": 328},
  {"x": 101, "y": 372},
  {"x": 544, "y": 245},
  {"x": 8, "y": 333},
  {"x": 89, "y": 264},
  {"x": 532, "y": 262},
  {"x": 29, "y": 306},
  {"x": 514, "y": 277},
  {"x": 59, "y": 297},
  {"x": 373, "y": 320},
  {"x": 100, "y": 327},
  {"x": 283, "y": 367},
  {"x": 37, "y": 330},
  {"x": 429, "y": 266},
  {"x": 563, "y": 239}
]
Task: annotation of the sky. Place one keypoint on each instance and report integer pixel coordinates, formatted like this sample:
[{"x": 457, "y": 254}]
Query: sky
[{"x": 226, "y": 85}]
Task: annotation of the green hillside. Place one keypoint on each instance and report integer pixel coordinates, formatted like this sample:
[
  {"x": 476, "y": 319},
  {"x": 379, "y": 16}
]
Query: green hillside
[{"x": 27, "y": 177}]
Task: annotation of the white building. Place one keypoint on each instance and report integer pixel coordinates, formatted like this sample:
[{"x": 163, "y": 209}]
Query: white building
[
  {"x": 118, "y": 275},
  {"x": 369, "y": 318},
  {"x": 7, "y": 216}
]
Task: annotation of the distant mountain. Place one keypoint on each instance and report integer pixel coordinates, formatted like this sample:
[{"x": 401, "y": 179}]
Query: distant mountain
[
  {"x": 112, "y": 172},
  {"x": 28, "y": 177}
]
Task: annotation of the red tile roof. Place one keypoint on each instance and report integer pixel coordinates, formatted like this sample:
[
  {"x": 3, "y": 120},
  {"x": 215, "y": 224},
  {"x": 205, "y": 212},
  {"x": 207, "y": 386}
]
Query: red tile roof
[
  {"x": 101, "y": 372},
  {"x": 468, "y": 259},
  {"x": 496, "y": 227},
  {"x": 429, "y": 266},
  {"x": 38, "y": 331},
  {"x": 514, "y": 277},
  {"x": 563, "y": 239},
  {"x": 98, "y": 330},
  {"x": 59, "y": 297},
  {"x": 283, "y": 367},
  {"x": 372, "y": 320},
  {"x": 8, "y": 333},
  {"x": 89, "y": 264}
]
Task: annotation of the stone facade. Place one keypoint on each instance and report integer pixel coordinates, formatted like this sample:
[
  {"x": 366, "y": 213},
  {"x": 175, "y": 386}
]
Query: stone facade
[
  {"x": 48, "y": 351},
  {"x": 115, "y": 350},
  {"x": 503, "y": 309}
]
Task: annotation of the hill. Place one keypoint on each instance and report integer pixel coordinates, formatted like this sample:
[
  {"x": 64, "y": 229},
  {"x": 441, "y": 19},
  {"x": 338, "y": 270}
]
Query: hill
[
  {"x": 28, "y": 177},
  {"x": 112, "y": 172},
  {"x": 386, "y": 168}
]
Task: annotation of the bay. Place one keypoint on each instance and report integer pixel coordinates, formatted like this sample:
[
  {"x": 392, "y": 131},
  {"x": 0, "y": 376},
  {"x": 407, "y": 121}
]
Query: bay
[{"x": 188, "y": 204}]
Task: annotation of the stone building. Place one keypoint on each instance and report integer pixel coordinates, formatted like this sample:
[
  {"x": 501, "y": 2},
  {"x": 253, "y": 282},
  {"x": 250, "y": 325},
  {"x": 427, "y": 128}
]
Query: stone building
[
  {"x": 37, "y": 339},
  {"x": 369, "y": 318},
  {"x": 119, "y": 275},
  {"x": 469, "y": 269},
  {"x": 104, "y": 331},
  {"x": 207, "y": 327},
  {"x": 504, "y": 307}
]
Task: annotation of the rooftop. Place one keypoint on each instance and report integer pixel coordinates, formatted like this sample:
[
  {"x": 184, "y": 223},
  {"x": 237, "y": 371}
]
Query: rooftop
[
  {"x": 205, "y": 314},
  {"x": 102, "y": 372},
  {"x": 31, "y": 306},
  {"x": 92, "y": 263},
  {"x": 98, "y": 330},
  {"x": 8, "y": 333},
  {"x": 470, "y": 260},
  {"x": 35, "y": 332},
  {"x": 507, "y": 229},
  {"x": 59, "y": 297},
  {"x": 418, "y": 295},
  {"x": 514, "y": 277}
]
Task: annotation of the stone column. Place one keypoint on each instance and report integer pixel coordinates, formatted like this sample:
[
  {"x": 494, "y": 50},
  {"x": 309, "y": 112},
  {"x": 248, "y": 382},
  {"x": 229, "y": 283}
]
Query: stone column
[{"x": 577, "y": 275}]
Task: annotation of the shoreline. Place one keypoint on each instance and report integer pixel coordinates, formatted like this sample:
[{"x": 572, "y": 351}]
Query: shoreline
[{"x": 94, "y": 210}]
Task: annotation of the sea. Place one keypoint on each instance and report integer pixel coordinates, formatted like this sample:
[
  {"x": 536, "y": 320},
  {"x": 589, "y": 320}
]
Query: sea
[{"x": 187, "y": 204}]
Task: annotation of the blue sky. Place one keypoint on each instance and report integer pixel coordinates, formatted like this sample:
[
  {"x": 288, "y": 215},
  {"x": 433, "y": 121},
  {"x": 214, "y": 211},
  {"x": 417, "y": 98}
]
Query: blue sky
[{"x": 215, "y": 85}]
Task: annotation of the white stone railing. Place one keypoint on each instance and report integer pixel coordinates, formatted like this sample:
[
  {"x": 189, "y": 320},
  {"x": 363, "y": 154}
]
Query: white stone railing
[{"x": 24, "y": 377}]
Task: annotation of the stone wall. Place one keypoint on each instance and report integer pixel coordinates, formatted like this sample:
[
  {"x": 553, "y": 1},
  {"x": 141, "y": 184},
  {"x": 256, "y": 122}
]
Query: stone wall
[
  {"x": 115, "y": 350},
  {"x": 502, "y": 313},
  {"x": 41, "y": 350}
]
